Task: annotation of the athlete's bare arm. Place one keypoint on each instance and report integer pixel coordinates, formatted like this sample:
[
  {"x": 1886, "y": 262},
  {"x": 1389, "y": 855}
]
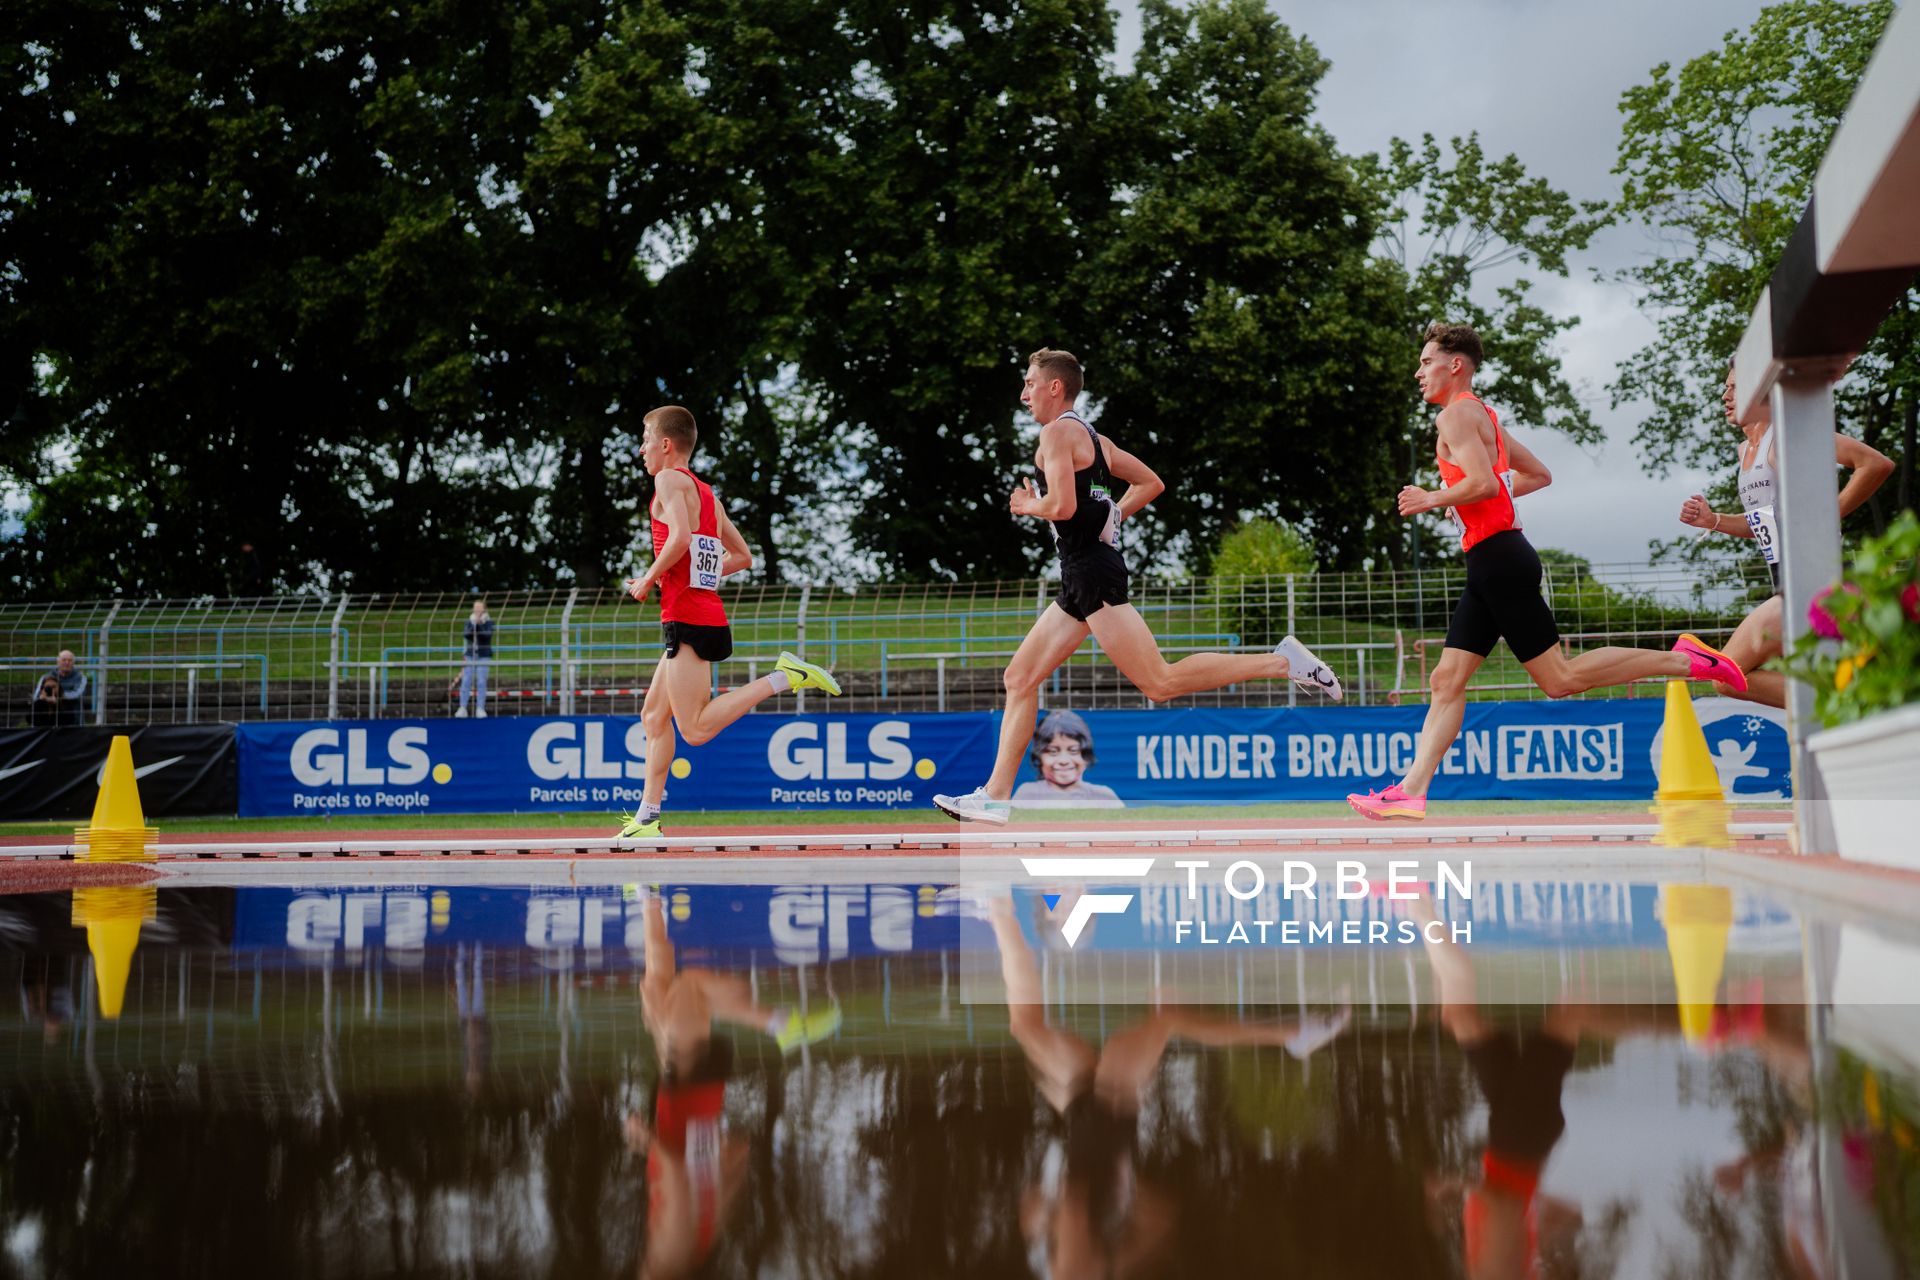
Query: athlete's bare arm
[
  {"x": 1143, "y": 486},
  {"x": 739, "y": 556},
  {"x": 1870, "y": 469},
  {"x": 1530, "y": 475},
  {"x": 677, "y": 496},
  {"x": 1056, "y": 463},
  {"x": 1459, "y": 427},
  {"x": 1869, "y": 466}
]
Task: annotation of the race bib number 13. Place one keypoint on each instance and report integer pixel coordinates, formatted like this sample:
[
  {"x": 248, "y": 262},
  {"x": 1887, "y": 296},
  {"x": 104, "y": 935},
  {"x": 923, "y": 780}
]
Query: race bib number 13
[
  {"x": 1766, "y": 533},
  {"x": 706, "y": 555}
]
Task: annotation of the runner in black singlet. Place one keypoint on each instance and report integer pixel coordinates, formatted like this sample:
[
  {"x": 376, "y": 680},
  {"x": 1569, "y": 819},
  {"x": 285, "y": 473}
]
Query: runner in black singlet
[{"x": 1080, "y": 471}]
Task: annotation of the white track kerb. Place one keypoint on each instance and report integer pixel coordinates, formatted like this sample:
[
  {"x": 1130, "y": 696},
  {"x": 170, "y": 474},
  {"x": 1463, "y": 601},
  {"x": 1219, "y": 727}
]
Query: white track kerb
[{"x": 889, "y": 843}]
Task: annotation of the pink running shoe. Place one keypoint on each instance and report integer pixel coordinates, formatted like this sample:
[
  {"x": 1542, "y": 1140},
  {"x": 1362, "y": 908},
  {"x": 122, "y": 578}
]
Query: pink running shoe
[
  {"x": 1710, "y": 664},
  {"x": 1391, "y": 805}
]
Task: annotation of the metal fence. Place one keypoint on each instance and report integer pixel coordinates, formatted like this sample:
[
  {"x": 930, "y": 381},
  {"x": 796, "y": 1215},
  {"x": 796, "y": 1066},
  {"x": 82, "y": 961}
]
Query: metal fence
[{"x": 896, "y": 647}]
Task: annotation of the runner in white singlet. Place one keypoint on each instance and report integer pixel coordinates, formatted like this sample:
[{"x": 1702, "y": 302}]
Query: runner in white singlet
[{"x": 1758, "y": 638}]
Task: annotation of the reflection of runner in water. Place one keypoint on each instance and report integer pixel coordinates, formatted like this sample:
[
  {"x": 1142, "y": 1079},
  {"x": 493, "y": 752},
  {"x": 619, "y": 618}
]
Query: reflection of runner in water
[
  {"x": 46, "y": 996},
  {"x": 1091, "y": 1213},
  {"x": 694, "y": 1167},
  {"x": 470, "y": 1000},
  {"x": 1509, "y": 1225},
  {"x": 1062, "y": 752}
]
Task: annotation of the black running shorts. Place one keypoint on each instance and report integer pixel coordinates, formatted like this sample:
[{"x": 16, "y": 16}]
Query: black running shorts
[
  {"x": 715, "y": 644},
  {"x": 1519, "y": 1075},
  {"x": 1090, "y": 580},
  {"x": 1503, "y": 599}
]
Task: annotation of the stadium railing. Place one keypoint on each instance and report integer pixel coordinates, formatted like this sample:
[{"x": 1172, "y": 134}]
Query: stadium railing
[{"x": 898, "y": 647}]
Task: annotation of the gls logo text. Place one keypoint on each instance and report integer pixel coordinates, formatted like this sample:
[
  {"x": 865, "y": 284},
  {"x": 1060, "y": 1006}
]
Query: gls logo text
[
  {"x": 1087, "y": 905},
  {"x": 317, "y": 761},
  {"x": 792, "y": 757},
  {"x": 553, "y": 756}
]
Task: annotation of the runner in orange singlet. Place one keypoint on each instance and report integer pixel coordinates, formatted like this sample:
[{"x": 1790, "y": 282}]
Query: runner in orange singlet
[
  {"x": 694, "y": 546},
  {"x": 1483, "y": 469}
]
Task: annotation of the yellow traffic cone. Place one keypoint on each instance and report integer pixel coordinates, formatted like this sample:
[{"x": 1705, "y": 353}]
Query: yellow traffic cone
[
  {"x": 112, "y": 918},
  {"x": 119, "y": 830},
  {"x": 1698, "y": 918},
  {"x": 1690, "y": 804}
]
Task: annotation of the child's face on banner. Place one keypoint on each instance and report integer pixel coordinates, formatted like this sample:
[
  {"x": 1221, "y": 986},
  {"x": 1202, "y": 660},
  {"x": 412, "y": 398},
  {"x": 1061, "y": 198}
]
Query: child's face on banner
[{"x": 1062, "y": 762}]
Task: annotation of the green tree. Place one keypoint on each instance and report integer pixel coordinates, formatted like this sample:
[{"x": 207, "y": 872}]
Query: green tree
[
  {"x": 1717, "y": 160},
  {"x": 1249, "y": 344},
  {"x": 249, "y": 287},
  {"x": 1446, "y": 222},
  {"x": 968, "y": 159}
]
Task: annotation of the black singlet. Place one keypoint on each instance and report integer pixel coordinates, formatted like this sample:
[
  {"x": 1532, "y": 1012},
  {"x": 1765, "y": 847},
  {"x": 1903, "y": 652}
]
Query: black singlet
[{"x": 1094, "y": 502}]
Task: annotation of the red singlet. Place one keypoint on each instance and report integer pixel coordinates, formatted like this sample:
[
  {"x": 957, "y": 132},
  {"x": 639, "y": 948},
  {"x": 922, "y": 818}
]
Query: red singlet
[
  {"x": 688, "y": 1126},
  {"x": 679, "y": 600},
  {"x": 1480, "y": 520}
]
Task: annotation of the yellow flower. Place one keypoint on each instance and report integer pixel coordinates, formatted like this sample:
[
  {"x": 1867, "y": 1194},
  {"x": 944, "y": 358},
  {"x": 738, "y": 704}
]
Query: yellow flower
[
  {"x": 1870, "y": 1095},
  {"x": 1843, "y": 675}
]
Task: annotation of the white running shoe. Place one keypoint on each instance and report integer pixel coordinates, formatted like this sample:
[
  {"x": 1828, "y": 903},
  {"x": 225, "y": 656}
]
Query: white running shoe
[
  {"x": 1308, "y": 671},
  {"x": 1316, "y": 1032},
  {"x": 975, "y": 806}
]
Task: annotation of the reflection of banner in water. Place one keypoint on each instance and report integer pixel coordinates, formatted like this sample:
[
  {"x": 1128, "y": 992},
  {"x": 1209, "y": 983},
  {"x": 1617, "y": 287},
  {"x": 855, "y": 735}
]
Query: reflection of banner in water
[
  {"x": 796, "y": 924},
  {"x": 804, "y": 924},
  {"x": 1505, "y": 914}
]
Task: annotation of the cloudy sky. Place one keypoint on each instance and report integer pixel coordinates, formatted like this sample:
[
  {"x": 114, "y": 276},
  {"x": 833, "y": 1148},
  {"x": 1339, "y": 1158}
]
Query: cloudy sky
[{"x": 1541, "y": 79}]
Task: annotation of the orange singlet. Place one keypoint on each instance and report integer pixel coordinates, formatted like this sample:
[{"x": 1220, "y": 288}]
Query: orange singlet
[{"x": 1480, "y": 520}]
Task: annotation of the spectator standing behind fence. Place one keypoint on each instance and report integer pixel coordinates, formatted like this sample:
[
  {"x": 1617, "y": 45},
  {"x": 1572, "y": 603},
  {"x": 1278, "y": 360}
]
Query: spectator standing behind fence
[
  {"x": 72, "y": 683},
  {"x": 479, "y": 656}
]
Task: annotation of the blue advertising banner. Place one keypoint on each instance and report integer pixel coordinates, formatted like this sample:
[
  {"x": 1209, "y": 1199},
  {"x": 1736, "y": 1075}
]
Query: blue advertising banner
[
  {"x": 1591, "y": 750},
  {"x": 526, "y": 765}
]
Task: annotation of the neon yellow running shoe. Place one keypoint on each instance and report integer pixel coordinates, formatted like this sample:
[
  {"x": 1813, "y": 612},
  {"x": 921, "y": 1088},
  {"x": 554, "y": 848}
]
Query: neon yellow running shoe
[
  {"x": 633, "y": 828},
  {"x": 811, "y": 1029},
  {"x": 805, "y": 675}
]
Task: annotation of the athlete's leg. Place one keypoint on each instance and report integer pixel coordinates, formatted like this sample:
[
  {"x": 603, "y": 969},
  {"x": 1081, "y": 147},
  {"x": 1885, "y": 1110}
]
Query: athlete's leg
[
  {"x": 730, "y": 998},
  {"x": 1452, "y": 974},
  {"x": 1054, "y": 637},
  {"x": 699, "y": 715},
  {"x": 657, "y": 954},
  {"x": 1062, "y": 1063},
  {"x": 656, "y": 713},
  {"x": 1445, "y": 712},
  {"x": 1758, "y": 640},
  {"x": 1127, "y": 639},
  {"x": 1560, "y": 677}
]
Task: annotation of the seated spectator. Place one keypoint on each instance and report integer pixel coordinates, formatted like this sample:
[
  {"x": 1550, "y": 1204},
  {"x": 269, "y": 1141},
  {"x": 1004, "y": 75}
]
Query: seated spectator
[
  {"x": 73, "y": 687},
  {"x": 46, "y": 703}
]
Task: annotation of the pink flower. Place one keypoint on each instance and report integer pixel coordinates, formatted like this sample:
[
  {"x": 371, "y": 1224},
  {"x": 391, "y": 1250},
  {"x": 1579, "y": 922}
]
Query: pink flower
[
  {"x": 1857, "y": 1161},
  {"x": 1820, "y": 620},
  {"x": 1910, "y": 602}
]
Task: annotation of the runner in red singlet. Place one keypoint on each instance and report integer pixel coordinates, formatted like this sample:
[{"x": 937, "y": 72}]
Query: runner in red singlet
[
  {"x": 695, "y": 1167},
  {"x": 694, "y": 546},
  {"x": 1483, "y": 469}
]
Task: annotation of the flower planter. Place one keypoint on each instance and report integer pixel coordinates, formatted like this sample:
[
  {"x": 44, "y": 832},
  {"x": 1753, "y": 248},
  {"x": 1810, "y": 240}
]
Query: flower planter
[{"x": 1872, "y": 773}]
